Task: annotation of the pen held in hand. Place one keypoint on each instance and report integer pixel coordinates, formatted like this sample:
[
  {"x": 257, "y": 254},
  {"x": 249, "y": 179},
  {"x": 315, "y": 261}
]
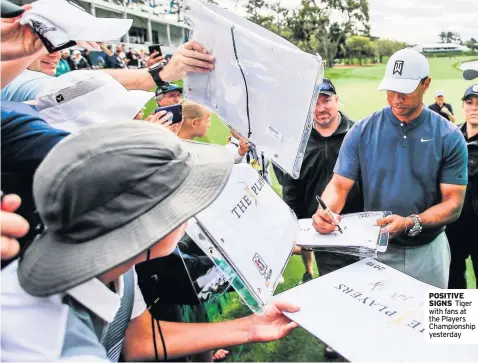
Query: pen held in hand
[{"x": 324, "y": 207}]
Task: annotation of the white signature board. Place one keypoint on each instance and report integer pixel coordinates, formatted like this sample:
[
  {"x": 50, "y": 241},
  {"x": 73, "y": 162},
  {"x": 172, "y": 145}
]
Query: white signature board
[
  {"x": 252, "y": 229},
  {"x": 368, "y": 311},
  {"x": 262, "y": 86}
]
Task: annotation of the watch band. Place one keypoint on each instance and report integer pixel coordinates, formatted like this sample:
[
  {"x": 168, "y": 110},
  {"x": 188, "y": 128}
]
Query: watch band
[
  {"x": 417, "y": 227},
  {"x": 154, "y": 72}
]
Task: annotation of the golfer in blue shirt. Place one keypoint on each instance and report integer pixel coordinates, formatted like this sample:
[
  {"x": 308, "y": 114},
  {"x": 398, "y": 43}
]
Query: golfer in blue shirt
[{"x": 412, "y": 162}]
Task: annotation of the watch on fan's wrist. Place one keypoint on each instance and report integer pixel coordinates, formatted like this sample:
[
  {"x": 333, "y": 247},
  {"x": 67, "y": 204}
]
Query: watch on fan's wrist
[
  {"x": 154, "y": 72},
  {"x": 417, "y": 225}
]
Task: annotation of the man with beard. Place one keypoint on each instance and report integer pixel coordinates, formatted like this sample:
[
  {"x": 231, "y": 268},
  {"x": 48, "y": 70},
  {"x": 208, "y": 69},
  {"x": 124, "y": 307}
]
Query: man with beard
[
  {"x": 410, "y": 161},
  {"x": 326, "y": 137},
  {"x": 330, "y": 128}
]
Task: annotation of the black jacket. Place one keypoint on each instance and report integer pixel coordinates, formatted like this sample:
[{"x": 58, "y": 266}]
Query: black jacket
[
  {"x": 469, "y": 213},
  {"x": 317, "y": 169},
  {"x": 435, "y": 107}
]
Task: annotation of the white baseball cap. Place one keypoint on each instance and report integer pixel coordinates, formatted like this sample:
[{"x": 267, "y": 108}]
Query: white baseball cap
[
  {"x": 81, "y": 98},
  {"x": 405, "y": 69},
  {"x": 60, "y": 21},
  {"x": 439, "y": 93}
]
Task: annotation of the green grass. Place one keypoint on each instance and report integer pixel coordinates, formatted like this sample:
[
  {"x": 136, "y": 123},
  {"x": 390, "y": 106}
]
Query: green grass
[
  {"x": 358, "y": 97},
  {"x": 357, "y": 87}
]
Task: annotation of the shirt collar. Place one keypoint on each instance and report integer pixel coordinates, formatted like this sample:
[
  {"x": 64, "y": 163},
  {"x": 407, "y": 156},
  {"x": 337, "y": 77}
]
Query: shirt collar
[
  {"x": 414, "y": 123},
  {"x": 98, "y": 298},
  {"x": 473, "y": 139}
]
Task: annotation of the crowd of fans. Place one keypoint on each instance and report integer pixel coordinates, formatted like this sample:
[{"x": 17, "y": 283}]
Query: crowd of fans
[
  {"x": 119, "y": 179},
  {"x": 86, "y": 59},
  {"x": 96, "y": 196}
]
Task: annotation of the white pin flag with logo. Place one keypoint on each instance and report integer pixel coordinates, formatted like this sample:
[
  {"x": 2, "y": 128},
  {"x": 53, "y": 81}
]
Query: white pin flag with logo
[
  {"x": 262, "y": 86},
  {"x": 249, "y": 232}
]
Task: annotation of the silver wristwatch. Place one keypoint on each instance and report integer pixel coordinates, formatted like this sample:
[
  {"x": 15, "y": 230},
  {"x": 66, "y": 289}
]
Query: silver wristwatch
[{"x": 417, "y": 227}]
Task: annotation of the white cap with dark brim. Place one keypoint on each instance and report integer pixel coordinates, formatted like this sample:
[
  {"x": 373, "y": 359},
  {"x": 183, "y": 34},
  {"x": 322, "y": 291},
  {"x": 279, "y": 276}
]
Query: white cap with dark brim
[
  {"x": 404, "y": 70},
  {"x": 81, "y": 98}
]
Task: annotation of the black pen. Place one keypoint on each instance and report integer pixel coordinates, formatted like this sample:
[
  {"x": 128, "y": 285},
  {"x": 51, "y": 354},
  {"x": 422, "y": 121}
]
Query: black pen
[{"x": 324, "y": 207}]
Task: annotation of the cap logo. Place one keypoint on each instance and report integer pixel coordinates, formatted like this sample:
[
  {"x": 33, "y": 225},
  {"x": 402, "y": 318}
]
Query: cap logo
[
  {"x": 475, "y": 88},
  {"x": 398, "y": 67},
  {"x": 41, "y": 28},
  {"x": 59, "y": 98}
]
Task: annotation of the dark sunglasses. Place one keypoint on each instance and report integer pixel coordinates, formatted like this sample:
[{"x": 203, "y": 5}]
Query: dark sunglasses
[{"x": 327, "y": 86}]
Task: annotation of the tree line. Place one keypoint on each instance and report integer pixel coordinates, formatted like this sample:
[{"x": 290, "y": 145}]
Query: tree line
[{"x": 310, "y": 28}]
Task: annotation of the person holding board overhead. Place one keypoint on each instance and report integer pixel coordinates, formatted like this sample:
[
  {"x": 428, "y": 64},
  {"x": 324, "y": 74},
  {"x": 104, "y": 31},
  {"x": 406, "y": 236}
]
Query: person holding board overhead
[{"x": 410, "y": 161}]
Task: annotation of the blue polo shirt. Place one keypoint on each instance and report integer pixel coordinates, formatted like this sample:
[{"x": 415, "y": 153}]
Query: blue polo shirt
[
  {"x": 26, "y": 139},
  {"x": 26, "y": 86},
  {"x": 402, "y": 165}
]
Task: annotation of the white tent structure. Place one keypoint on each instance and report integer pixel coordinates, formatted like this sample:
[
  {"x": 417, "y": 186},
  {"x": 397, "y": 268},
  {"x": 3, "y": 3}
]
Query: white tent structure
[{"x": 441, "y": 48}]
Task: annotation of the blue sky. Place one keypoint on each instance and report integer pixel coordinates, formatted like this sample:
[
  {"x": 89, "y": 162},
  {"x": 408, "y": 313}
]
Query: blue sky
[{"x": 412, "y": 21}]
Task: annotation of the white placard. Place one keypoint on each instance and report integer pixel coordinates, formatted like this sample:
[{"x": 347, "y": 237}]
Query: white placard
[
  {"x": 253, "y": 228},
  {"x": 261, "y": 83},
  {"x": 368, "y": 311},
  {"x": 358, "y": 230}
]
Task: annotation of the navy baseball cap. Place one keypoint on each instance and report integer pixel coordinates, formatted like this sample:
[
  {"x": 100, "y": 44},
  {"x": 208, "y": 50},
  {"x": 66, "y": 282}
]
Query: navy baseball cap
[
  {"x": 471, "y": 91},
  {"x": 168, "y": 87},
  {"x": 327, "y": 88}
]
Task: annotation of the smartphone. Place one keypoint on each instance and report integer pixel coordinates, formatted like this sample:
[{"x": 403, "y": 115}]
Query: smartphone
[
  {"x": 155, "y": 47},
  {"x": 176, "y": 110}
]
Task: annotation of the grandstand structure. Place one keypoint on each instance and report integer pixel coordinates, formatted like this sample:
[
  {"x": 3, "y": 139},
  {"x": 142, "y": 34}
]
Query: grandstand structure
[
  {"x": 441, "y": 48},
  {"x": 154, "y": 21}
]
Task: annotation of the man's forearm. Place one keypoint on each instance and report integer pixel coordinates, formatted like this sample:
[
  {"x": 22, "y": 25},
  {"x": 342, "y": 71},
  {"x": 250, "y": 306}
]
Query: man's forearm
[
  {"x": 139, "y": 79},
  {"x": 183, "y": 339},
  {"x": 334, "y": 197},
  {"x": 441, "y": 214},
  {"x": 452, "y": 118},
  {"x": 204, "y": 337}
]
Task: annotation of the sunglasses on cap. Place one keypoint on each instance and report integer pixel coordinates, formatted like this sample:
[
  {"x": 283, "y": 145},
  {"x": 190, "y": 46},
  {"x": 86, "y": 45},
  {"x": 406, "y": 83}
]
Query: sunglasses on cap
[
  {"x": 326, "y": 87},
  {"x": 166, "y": 88}
]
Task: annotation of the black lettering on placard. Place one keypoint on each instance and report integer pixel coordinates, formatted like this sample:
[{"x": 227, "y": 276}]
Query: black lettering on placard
[
  {"x": 390, "y": 313},
  {"x": 363, "y": 300},
  {"x": 382, "y": 308},
  {"x": 249, "y": 197},
  {"x": 235, "y": 212}
]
